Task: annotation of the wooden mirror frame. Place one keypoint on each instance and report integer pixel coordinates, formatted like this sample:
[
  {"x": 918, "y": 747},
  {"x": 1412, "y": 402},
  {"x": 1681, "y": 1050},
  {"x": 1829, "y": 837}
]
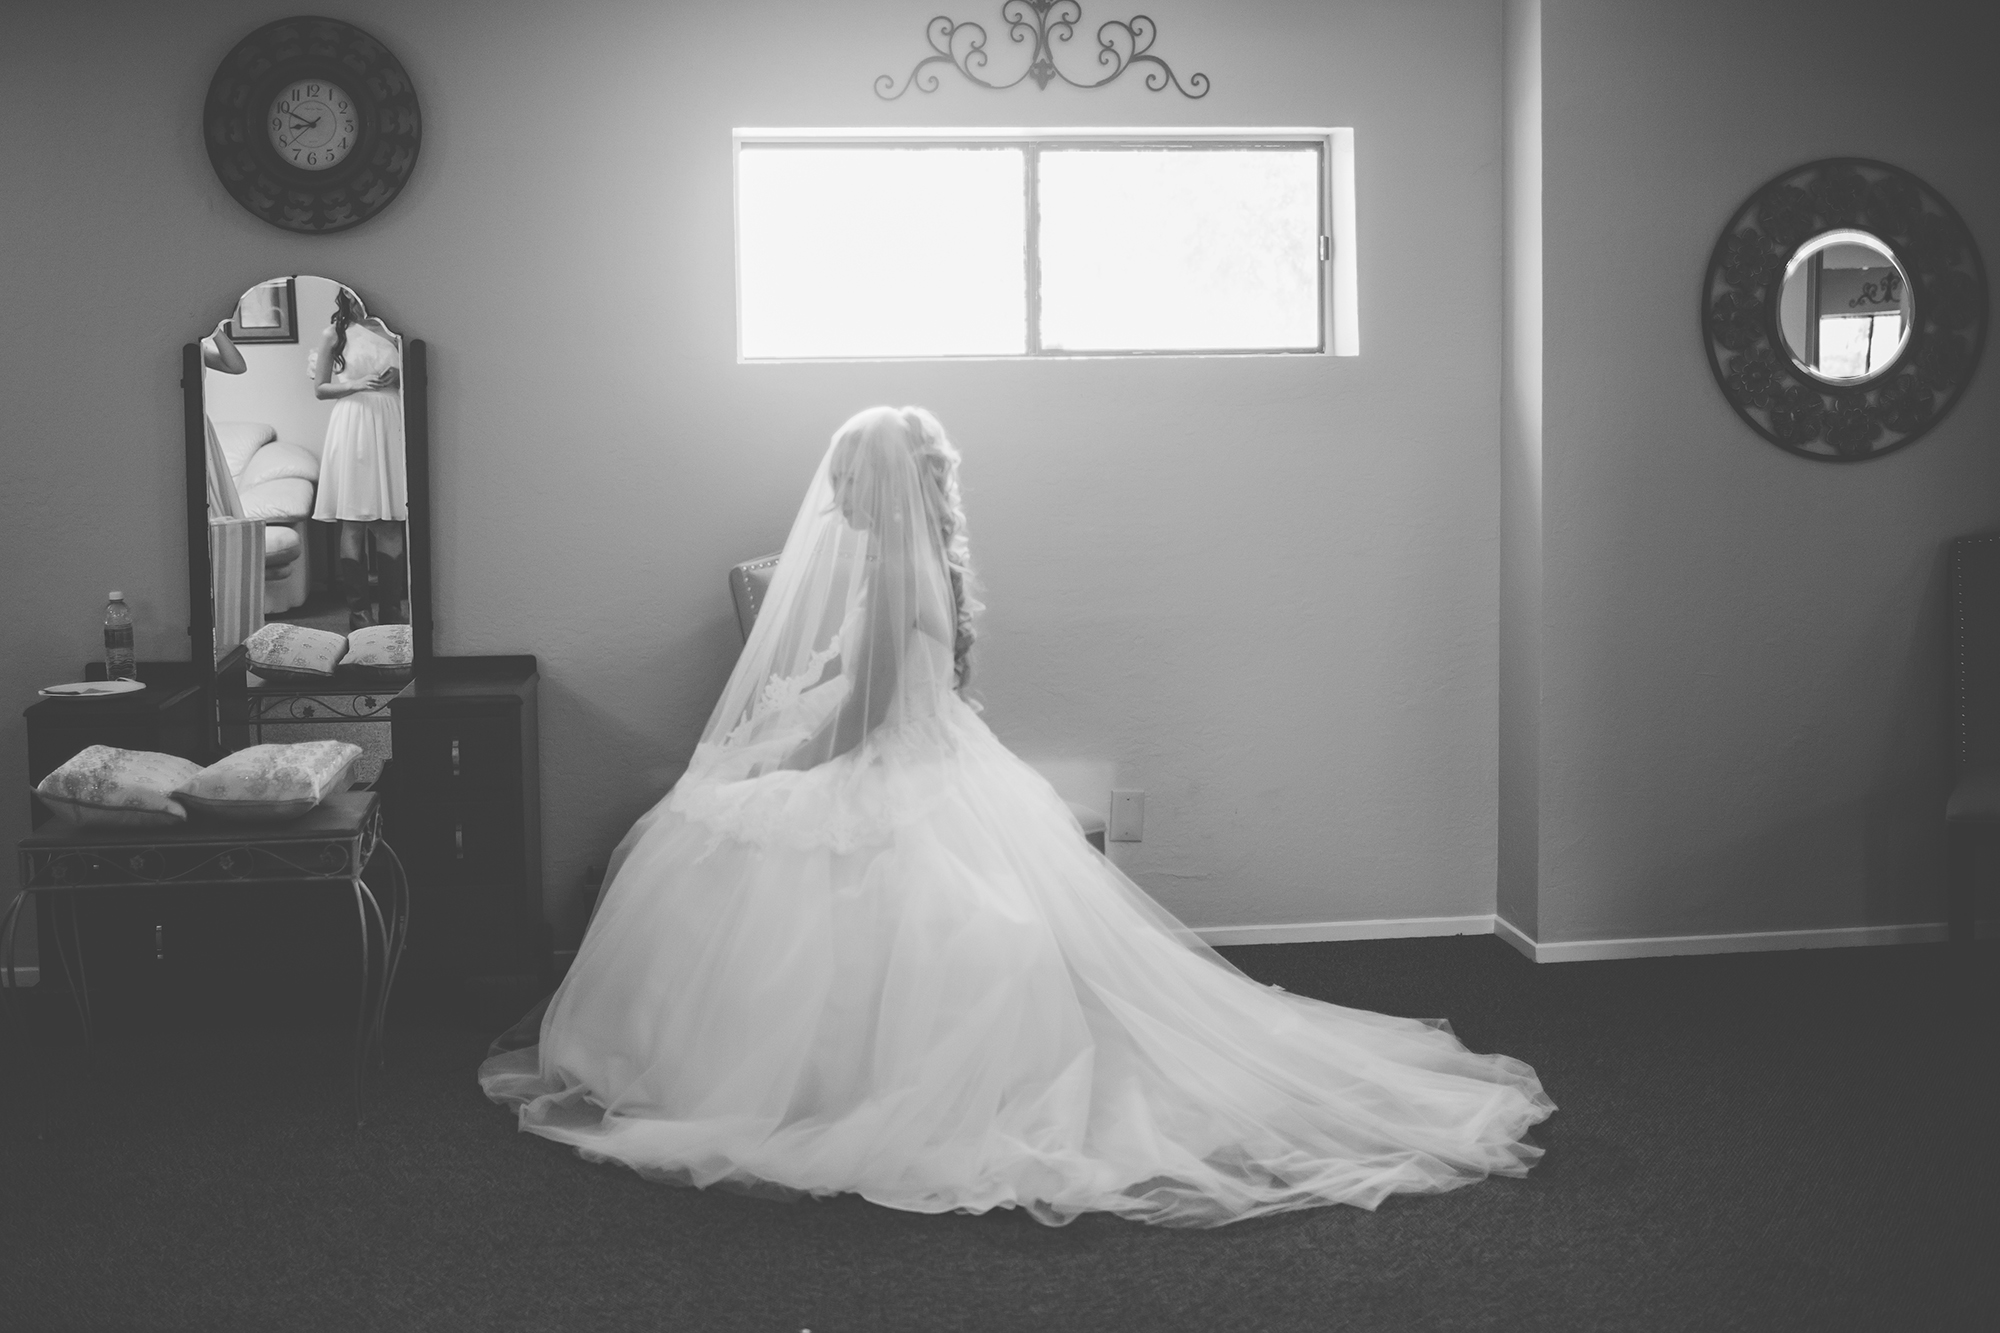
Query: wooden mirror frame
[
  {"x": 1740, "y": 296},
  {"x": 417, "y": 474}
]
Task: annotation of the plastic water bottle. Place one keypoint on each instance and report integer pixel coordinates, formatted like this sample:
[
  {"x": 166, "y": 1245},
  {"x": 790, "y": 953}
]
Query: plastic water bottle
[{"x": 119, "y": 661}]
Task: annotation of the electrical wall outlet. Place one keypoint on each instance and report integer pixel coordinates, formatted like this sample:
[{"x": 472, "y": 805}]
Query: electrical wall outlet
[{"x": 1128, "y": 816}]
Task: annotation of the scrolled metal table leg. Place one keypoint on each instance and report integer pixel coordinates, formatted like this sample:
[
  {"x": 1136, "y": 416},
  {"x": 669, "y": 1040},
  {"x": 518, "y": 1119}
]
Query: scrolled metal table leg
[
  {"x": 398, "y": 934},
  {"x": 63, "y": 910},
  {"x": 379, "y": 1000},
  {"x": 82, "y": 974},
  {"x": 361, "y": 1017},
  {"x": 9, "y": 980}
]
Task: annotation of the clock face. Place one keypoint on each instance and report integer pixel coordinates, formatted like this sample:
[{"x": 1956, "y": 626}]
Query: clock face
[{"x": 312, "y": 124}]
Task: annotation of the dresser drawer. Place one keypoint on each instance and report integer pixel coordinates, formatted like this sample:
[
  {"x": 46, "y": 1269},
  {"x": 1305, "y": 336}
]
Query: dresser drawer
[
  {"x": 461, "y": 844},
  {"x": 463, "y": 811},
  {"x": 459, "y": 758}
]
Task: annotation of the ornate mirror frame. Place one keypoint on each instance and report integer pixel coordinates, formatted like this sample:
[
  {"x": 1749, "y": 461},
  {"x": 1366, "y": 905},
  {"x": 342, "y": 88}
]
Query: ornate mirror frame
[
  {"x": 416, "y": 437},
  {"x": 1797, "y": 411}
]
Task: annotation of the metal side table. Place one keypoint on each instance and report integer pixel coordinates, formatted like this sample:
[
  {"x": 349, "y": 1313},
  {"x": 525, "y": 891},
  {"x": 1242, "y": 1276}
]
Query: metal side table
[{"x": 340, "y": 842}]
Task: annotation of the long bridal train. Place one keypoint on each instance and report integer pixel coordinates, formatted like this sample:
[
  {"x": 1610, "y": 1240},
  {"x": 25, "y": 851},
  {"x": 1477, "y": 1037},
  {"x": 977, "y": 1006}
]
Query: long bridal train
[
  {"x": 971, "y": 1008},
  {"x": 861, "y": 947}
]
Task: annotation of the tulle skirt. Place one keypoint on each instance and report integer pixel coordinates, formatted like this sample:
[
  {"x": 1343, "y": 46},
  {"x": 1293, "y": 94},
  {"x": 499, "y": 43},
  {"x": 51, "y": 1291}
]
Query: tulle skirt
[{"x": 905, "y": 975}]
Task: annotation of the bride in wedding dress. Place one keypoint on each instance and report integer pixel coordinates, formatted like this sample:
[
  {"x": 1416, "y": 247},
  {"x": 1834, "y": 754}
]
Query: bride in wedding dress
[{"x": 860, "y": 947}]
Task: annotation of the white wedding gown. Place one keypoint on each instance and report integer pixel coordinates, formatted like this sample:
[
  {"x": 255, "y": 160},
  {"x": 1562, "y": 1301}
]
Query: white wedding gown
[{"x": 901, "y": 972}]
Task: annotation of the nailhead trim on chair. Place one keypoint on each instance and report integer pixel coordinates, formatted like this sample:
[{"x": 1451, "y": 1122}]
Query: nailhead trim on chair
[{"x": 756, "y": 603}]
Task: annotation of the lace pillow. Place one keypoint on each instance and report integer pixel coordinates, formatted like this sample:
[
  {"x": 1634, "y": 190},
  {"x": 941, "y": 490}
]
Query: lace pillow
[
  {"x": 103, "y": 786},
  {"x": 293, "y": 652},
  {"x": 381, "y": 652},
  {"x": 271, "y": 783}
]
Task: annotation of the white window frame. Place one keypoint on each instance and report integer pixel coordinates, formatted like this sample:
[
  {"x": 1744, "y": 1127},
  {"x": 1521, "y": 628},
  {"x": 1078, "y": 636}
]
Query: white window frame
[{"x": 1340, "y": 324}]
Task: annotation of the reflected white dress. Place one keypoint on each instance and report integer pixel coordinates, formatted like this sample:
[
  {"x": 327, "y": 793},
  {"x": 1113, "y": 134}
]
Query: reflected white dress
[
  {"x": 361, "y": 473},
  {"x": 901, "y": 972}
]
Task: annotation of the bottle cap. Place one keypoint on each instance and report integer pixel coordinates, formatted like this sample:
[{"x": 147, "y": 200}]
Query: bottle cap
[{"x": 117, "y": 596}]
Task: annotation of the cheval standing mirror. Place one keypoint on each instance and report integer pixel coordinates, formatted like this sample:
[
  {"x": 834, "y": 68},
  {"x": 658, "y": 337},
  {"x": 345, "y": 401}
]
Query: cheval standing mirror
[
  {"x": 308, "y": 501},
  {"x": 308, "y": 504}
]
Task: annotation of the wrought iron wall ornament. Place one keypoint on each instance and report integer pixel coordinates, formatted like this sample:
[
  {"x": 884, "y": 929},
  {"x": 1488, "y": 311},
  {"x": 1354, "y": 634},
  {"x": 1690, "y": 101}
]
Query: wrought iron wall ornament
[
  {"x": 1047, "y": 23},
  {"x": 1801, "y": 412}
]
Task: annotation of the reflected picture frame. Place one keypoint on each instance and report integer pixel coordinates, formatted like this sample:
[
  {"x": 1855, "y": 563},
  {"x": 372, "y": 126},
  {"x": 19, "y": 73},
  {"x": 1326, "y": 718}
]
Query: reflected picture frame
[{"x": 267, "y": 313}]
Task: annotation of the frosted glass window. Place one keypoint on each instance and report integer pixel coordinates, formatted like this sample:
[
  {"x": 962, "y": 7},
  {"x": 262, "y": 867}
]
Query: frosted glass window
[
  {"x": 1049, "y": 242},
  {"x": 881, "y": 252},
  {"x": 1189, "y": 249}
]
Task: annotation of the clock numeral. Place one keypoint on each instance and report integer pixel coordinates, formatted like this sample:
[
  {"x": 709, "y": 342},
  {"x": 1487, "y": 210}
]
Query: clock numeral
[
  {"x": 284, "y": 105},
  {"x": 343, "y": 145},
  {"x": 340, "y": 105},
  {"x": 296, "y": 152},
  {"x": 312, "y": 90},
  {"x": 347, "y": 127},
  {"x": 277, "y": 122}
]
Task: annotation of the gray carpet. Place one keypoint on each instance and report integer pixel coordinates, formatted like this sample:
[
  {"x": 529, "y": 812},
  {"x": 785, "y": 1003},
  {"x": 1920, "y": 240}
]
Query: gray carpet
[{"x": 1758, "y": 1142}]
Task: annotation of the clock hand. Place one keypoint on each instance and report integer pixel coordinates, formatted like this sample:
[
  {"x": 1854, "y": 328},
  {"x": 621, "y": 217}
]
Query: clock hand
[{"x": 304, "y": 128}]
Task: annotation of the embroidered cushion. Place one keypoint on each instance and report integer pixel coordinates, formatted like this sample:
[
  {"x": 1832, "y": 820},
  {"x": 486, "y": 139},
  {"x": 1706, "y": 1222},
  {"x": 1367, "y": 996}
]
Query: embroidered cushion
[
  {"x": 294, "y": 652},
  {"x": 103, "y": 786},
  {"x": 270, "y": 783},
  {"x": 380, "y": 652}
]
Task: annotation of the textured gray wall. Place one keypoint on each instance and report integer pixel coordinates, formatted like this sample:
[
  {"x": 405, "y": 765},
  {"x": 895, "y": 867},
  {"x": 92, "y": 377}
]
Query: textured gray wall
[
  {"x": 1261, "y": 590},
  {"x": 1520, "y": 660},
  {"x": 1743, "y": 709}
]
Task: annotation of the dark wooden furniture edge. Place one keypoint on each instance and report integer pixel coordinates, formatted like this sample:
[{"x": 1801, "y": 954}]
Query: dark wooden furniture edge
[{"x": 417, "y": 481}]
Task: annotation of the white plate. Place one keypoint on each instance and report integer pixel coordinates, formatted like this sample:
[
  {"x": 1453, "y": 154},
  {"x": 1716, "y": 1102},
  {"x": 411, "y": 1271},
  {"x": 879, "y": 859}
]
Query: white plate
[{"x": 92, "y": 689}]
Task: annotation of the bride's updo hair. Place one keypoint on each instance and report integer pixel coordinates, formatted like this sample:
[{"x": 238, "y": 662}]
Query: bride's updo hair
[
  {"x": 937, "y": 460},
  {"x": 915, "y": 429}
]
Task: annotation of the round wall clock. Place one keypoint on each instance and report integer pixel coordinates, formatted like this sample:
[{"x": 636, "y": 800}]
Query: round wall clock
[{"x": 312, "y": 124}]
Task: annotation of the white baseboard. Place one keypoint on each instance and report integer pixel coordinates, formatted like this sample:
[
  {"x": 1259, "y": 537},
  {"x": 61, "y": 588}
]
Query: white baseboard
[
  {"x": 1320, "y": 932},
  {"x": 1515, "y": 937},
  {"x": 1756, "y": 941},
  {"x": 1580, "y": 951},
  {"x": 28, "y": 974}
]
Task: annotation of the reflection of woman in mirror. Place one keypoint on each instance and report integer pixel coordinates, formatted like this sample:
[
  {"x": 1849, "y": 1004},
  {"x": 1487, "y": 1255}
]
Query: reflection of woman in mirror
[
  {"x": 219, "y": 353},
  {"x": 361, "y": 476}
]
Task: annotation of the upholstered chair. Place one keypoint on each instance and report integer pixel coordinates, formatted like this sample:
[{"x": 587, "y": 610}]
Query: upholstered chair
[
  {"x": 749, "y": 581},
  {"x": 1972, "y": 814}
]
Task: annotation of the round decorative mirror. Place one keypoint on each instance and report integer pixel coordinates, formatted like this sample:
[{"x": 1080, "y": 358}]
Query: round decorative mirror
[{"x": 1844, "y": 309}]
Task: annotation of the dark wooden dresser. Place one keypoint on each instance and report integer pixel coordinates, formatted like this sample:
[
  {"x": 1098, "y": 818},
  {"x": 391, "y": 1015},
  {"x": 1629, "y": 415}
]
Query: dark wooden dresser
[
  {"x": 170, "y": 716},
  {"x": 462, "y": 807}
]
